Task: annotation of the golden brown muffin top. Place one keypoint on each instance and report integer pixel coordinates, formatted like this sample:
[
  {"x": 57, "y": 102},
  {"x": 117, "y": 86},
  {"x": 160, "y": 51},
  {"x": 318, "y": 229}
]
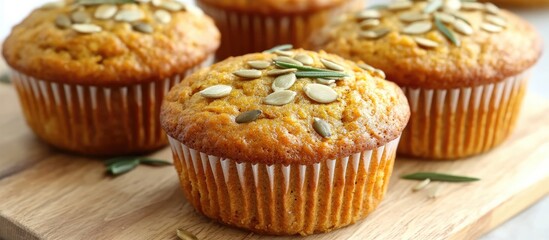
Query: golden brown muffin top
[
  {"x": 404, "y": 40},
  {"x": 110, "y": 44},
  {"x": 274, "y": 6},
  {"x": 221, "y": 113}
]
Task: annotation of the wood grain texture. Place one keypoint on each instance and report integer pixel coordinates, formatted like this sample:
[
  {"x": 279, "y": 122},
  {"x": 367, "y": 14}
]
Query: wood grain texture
[{"x": 51, "y": 195}]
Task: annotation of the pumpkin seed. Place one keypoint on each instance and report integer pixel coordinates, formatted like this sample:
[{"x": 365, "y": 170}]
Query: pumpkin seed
[
  {"x": 249, "y": 116},
  {"x": 452, "y": 5},
  {"x": 288, "y": 60},
  {"x": 184, "y": 235},
  {"x": 163, "y": 16},
  {"x": 86, "y": 28},
  {"x": 248, "y": 73},
  {"x": 216, "y": 91},
  {"x": 80, "y": 17},
  {"x": 157, "y": 3},
  {"x": 52, "y": 5},
  {"x": 491, "y": 8},
  {"x": 412, "y": 16},
  {"x": 143, "y": 1},
  {"x": 433, "y": 192},
  {"x": 418, "y": 27},
  {"x": 143, "y": 27},
  {"x": 472, "y": 6},
  {"x": 325, "y": 81},
  {"x": 193, "y": 9},
  {"x": 284, "y": 53},
  {"x": 496, "y": 20},
  {"x": 366, "y": 67},
  {"x": 105, "y": 11},
  {"x": 374, "y": 34},
  {"x": 379, "y": 73},
  {"x": 491, "y": 28},
  {"x": 421, "y": 185},
  {"x": 320, "y": 93},
  {"x": 368, "y": 14},
  {"x": 432, "y": 6},
  {"x": 63, "y": 21},
  {"x": 368, "y": 23},
  {"x": 276, "y": 72},
  {"x": 332, "y": 65},
  {"x": 284, "y": 82},
  {"x": 171, "y": 6},
  {"x": 424, "y": 42},
  {"x": 322, "y": 128},
  {"x": 304, "y": 58},
  {"x": 279, "y": 47},
  {"x": 445, "y": 17},
  {"x": 128, "y": 15},
  {"x": 259, "y": 64},
  {"x": 463, "y": 27},
  {"x": 280, "y": 98},
  {"x": 396, "y": 6}
]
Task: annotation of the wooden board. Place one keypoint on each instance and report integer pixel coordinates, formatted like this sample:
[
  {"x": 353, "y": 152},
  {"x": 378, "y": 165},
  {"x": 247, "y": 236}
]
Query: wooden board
[{"x": 48, "y": 194}]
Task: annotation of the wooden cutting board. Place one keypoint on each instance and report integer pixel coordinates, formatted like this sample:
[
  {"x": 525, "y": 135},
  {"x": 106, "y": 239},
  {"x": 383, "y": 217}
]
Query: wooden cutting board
[{"x": 47, "y": 194}]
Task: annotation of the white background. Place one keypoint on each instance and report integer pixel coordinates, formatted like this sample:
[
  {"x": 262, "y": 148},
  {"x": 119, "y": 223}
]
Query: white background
[{"x": 532, "y": 224}]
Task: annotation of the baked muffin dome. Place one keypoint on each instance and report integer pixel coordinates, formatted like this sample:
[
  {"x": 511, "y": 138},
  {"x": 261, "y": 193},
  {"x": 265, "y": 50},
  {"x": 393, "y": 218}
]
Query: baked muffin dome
[
  {"x": 91, "y": 77},
  {"x": 262, "y": 142},
  {"x": 110, "y": 44},
  {"x": 463, "y": 66}
]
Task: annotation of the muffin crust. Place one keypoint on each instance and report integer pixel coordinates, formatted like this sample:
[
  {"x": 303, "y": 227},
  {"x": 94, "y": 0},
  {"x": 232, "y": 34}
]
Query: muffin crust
[{"x": 115, "y": 56}]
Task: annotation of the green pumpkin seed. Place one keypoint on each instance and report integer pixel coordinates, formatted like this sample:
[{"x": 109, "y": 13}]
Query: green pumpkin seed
[
  {"x": 332, "y": 65},
  {"x": 288, "y": 60},
  {"x": 374, "y": 34},
  {"x": 143, "y": 27},
  {"x": 418, "y": 28},
  {"x": 105, "y": 11},
  {"x": 86, "y": 28},
  {"x": 369, "y": 23},
  {"x": 284, "y": 53},
  {"x": 368, "y": 14},
  {"x": 163, "y": 16},
  {"x": 80, "y": 17},
  {"x": 424, "y": 42},
  {"x": 304, "y": 58},
  {"x": 63, "y": 21},
  {"x": 249, "y": 116}
]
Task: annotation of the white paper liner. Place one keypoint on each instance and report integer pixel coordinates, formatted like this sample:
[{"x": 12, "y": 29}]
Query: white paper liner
[
  {"x": 254, "y": 32},
  {"x": 454, "y": 123},
  {"x": 96, "y": 120},
  {"x": 280, "y": 199}
]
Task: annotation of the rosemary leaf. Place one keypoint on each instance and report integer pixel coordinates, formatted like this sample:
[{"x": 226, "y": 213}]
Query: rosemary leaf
[
  {"x": 154, "y": 162},
  {"x": 5, "y": 78},
  {"x": 441, "y": 177},
  {"x": 462, "y": 19},
  {"x": 112, "y": 161},
  {"x": 316, "y": 74},
  {"x": 119, "y": 168},
  {"x": 185, "y": 235},
  {"x": 279, "y": 48},
  {"x": 98, "y": 2},
  {"x": 446, "y": 32}
]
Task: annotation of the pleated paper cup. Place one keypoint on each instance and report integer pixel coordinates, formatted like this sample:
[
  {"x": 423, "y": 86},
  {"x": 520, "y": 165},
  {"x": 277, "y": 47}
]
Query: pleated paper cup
[
  {"x": 460, "y": 122},
  {"x": 96, "y": 120},
  {"x": 247, "y": 32},
  {"x": 282, "y": 200}
]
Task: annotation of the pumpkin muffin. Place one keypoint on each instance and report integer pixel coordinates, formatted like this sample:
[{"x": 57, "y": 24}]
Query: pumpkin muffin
[
  {"x": 249, "y": 26},
  {"x": 91, "y": 78},
  {"x": 280, "y": 144},
  {"x": 463, "y": 66}
]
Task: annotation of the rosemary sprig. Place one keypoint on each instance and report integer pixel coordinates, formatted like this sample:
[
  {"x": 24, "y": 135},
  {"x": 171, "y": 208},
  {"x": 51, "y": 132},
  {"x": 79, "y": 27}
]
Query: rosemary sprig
[
  {"x": 301, "y": 74},
  {"x": 441, "y": 177},
  {"x": 446, "y": 32},
  {"x": 377, "y": 6},
  {"x": 304, "y": 71},
  {"x": 279, "y": 48},
  {"x": 120, "y": 165},
  {"x": 460, "y": 18},
  {"x": 97, "y": 2}
]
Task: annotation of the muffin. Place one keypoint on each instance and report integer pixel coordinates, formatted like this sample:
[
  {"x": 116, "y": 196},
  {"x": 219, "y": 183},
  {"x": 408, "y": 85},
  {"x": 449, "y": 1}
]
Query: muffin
[
  {"x": 253, "y": 26},
  {"x": 463, "y": 66},
  {"x": 280, "y": 150},
  {"x": 91, "y": 78}
]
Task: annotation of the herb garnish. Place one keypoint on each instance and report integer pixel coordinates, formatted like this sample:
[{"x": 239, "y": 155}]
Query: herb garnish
[
  {"x": 120, "y": 165},
  {"x": 441, "y": 177}
]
